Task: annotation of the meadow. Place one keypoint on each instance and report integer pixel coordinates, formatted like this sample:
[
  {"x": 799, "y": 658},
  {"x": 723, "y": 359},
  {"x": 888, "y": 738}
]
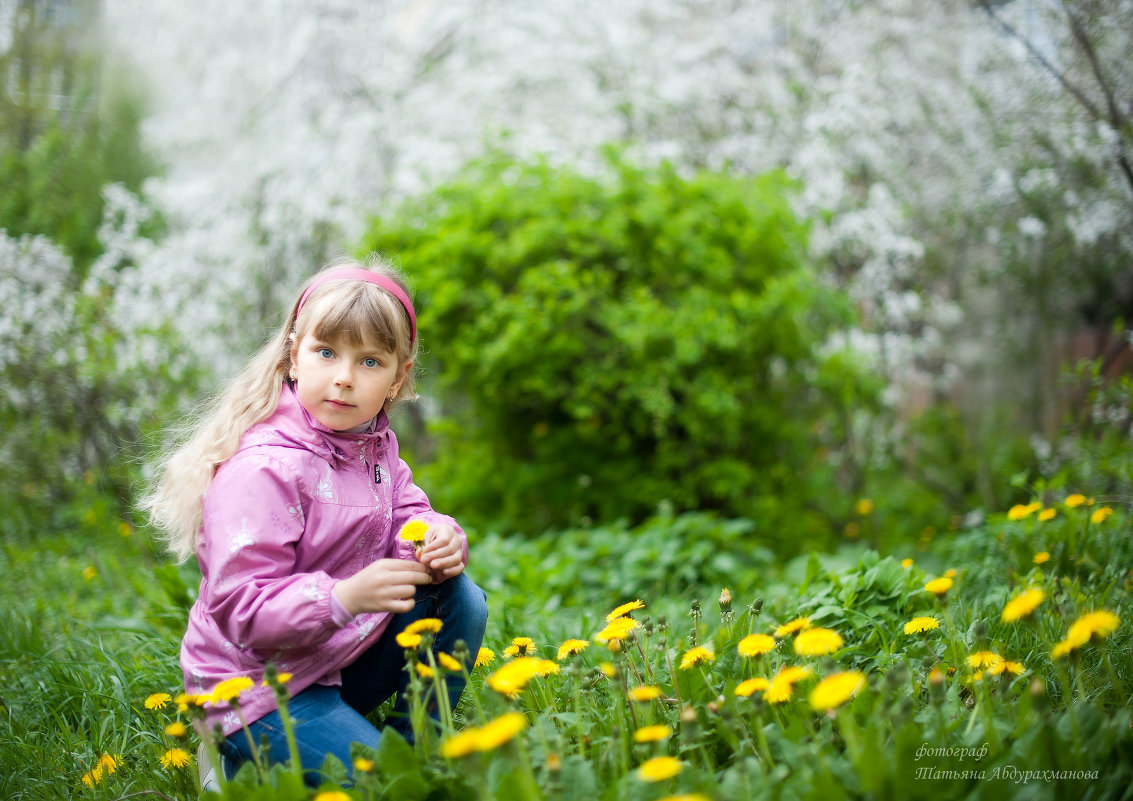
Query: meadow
[{"x": 674, "y": 659}]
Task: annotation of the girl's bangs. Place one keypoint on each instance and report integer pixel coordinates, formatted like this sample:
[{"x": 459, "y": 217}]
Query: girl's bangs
[{"x": 361, "y": 311}]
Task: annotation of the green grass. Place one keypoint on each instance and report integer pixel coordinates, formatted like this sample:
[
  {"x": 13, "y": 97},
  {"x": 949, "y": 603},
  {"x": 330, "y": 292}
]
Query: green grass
[{"x": 80, "y": 654}]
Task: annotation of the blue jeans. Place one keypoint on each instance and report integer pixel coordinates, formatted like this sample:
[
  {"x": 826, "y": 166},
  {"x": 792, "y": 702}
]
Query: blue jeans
[{"x": 328, "y": 719}]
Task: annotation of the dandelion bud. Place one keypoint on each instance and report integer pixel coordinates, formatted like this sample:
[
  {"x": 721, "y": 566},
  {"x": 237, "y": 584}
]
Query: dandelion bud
[
  {"x": 713, "y": 707},
  {"x": 688, "y": 715},
  {"x": 694, "y": 609},
  {"x": 460, "y": 651},
  {"x": 1038, "y": 693},
  {"x": 756, "y": 607},
  {"x": 554, "y": 763},
  {"x": 725, "y": 599}
]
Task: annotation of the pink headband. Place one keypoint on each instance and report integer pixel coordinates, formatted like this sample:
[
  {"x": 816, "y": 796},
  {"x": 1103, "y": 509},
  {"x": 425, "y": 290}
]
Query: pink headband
[{"x": 369, "y": 277}]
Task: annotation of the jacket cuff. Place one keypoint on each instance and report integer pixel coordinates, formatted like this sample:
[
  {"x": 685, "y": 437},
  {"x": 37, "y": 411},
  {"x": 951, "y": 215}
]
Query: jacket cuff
[{"x": 338, "y": 612}]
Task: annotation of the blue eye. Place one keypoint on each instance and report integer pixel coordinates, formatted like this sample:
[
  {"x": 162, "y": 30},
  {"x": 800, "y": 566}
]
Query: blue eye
[
  {"x": 371, "y": 363},
  {"x": 326, "y": 353}
]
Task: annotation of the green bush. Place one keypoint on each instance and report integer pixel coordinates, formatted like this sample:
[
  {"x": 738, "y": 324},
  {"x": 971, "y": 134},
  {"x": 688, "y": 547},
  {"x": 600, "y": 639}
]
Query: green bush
[{"x": 602, "y": 344}]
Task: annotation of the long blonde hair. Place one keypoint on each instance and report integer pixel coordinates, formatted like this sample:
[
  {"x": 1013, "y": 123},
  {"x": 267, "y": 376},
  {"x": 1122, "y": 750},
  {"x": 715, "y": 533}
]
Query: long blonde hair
[{"x": 351, "y": 309}]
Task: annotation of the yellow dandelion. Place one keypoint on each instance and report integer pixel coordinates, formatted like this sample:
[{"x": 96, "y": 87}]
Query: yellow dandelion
[
  {"x": 1075, "y": 500},
  {"x": 950, "y": 573},
  {"x": 229, "y": 689},
  {"x": 485, "y": 656},
  {"x": 1041, "y": 558},
  {"x": 651, "y": 734},
  {"x": 863, "y": 507},
  {"x": 818, "y": 642},
  {"x": 572, "y": 647},
  {"x": 625, "y": 609},
  {"x": 906, "y": 563},
  {"x": 93, "y": 776},
  {"x": 836, "y": 689},
  {"x": 520, "y": 646},
  {"x": 608, "y": 670},
  {"x": 407, "y": 640},
  {"x": 793, "y": 626},
  {"x": 1007, "y": 666},
  {"x": 175, "y": 758},
  {"x": 756, "y": 645},
  {"x": 414, "y": 531},
  {"x": 1022, "y": 605},
  {"x": 687, "y": 797},
  {"x": 782, "y": 684},
  {"x": 110, "y": 763},
  {"x": 157, "y": 701},
  {"x": 747, "y": 688},
  {"x": 617, "y": 629},
  {"x": 984, "y": 659},
  {"x": 186, "y": 700},
  {"x": 424, "y": 671},
  {"x": 426, "y": 624},
  {"x": 510, "y": 679},
  {"x": 280, "y": 680},
  {"x": 449, "y": 663},
  {"x": 919, "y": 625},
  {"x": 177, "y": 729},
  {"x": 485, "y": 738},
  {"x": 696, "y": 656},
  {"x": 332, "y": 795},
  {"x": 1101, "y": 514},
  {"x": 939, "y": 586},
  {"x": 1047, "y": 514},
  {"x": 1018, "y": 512},
  {"x": 1095, "y": 624},
  {"x": 363, "y": 765},
  {"x": 89, "y": 572},
  {"x": 644, "y": 693},
  {"x": 659, "y": 768}
]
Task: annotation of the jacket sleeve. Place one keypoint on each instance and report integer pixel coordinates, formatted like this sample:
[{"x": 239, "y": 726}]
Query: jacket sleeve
[
  {"x": 411, "y": 503},
  {"x": 253, "y": 519}
]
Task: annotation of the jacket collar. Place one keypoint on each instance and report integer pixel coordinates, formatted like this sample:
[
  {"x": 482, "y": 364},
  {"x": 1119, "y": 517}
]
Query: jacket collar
[{"x": 299, "y": 429}]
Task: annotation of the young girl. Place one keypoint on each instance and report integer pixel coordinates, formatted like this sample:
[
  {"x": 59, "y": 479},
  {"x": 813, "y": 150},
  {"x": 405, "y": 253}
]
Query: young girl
[{"x": 290, "y": 492}]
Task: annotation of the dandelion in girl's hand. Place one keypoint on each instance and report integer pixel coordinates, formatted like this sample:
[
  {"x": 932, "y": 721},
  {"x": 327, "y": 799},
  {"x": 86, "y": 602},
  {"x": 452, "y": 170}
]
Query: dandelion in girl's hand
[
  {"x": 520, "y": 646},
  {"x": 175, "y": 758},
  {"x": 625, "y": 609},
  {"x": 696, "y": 656},
  {"x": 177, "y": 729},
  {"x": 659, "y": 769},
  {"x": 919, "y": 625},
  {"x": 644, "y": 693},
  {"x": 1022, "y": 605},
  {"x": 756, "y": 645},
  {"x": 158, "y": 701},
  {"x": 1101, "y": 514},
  {"x": 572, "y": 647},
  {"x": 426, "y": 624},
  {"x": 745, "y": 689},
  {"x": 835, "y": 690},
  {"x": 485, "y": 656},
  {"x": 1041, "y": 558},
  {"x": 939, "y": 586},
  {"x": 651, "y": 734},
  {"x": 414, "y": 531},
  {"x": 818, "y": 642},
  {"x": 793, "y": 626}
]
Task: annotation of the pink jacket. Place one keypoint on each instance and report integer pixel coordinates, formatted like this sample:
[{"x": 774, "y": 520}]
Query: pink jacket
[{"x": 296, "y": 509}]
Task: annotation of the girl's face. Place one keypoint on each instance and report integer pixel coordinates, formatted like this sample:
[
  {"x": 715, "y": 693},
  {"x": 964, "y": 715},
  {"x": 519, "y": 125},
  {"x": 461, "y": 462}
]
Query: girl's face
[{"x": 343, "y": 385}]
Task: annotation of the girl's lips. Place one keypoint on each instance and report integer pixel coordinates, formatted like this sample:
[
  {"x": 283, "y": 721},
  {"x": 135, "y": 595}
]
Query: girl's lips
[{"x": 339, "y": 404}]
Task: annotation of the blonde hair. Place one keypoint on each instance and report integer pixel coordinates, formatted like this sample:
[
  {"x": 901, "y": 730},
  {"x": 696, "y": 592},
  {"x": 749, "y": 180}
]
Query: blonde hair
[{"x": 350, "y": 309}]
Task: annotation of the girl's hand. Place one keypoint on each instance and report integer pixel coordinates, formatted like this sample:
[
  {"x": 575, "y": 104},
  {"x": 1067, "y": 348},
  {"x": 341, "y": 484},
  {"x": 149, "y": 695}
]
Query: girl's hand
[
  {"x": 443, "y": 554},
  {"x": 387, "y": 585}
]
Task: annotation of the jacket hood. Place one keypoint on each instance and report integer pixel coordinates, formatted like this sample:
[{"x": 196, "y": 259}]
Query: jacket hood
[{"x": 292, "y": 426}]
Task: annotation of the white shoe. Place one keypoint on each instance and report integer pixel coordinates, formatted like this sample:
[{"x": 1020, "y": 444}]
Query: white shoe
[{"x": 206, "y": 772}]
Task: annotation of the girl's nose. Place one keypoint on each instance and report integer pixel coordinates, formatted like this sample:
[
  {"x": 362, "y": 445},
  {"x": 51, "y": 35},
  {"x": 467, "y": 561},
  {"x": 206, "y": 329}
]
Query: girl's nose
[{"x": 345, "y": 376}]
